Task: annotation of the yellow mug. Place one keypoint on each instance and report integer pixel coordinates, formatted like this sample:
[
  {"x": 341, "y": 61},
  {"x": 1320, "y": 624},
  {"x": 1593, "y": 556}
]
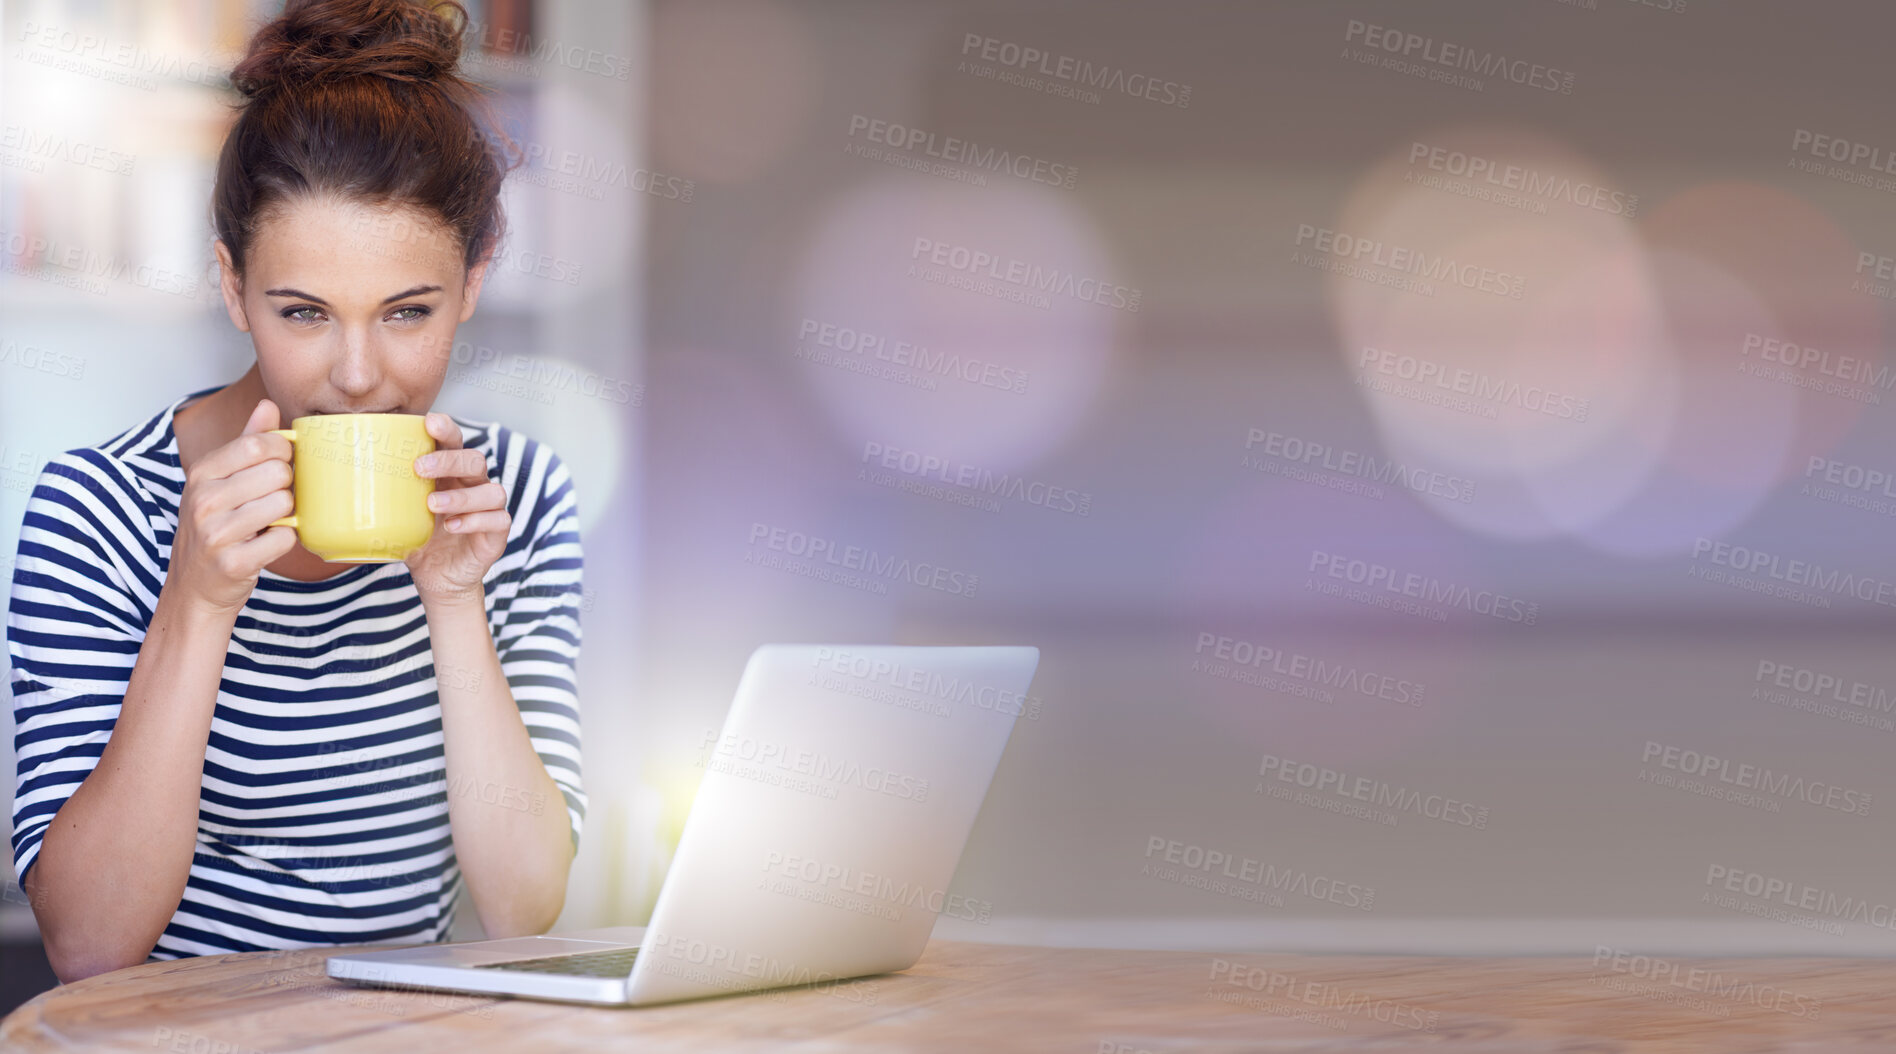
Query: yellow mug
[{"x": 358, "y": 499}]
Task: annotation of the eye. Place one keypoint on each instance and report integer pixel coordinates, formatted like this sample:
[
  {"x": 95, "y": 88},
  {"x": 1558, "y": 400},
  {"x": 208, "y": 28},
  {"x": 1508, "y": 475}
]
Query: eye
[
  {"x": 421, "y": 313},
  {"x": 291, "y": 313}
]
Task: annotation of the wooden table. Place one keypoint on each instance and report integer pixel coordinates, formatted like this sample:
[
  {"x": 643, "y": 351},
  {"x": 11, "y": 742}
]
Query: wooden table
[{"x": 981, "y": 997}]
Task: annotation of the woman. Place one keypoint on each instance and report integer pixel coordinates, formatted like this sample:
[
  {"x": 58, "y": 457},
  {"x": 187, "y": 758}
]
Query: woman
[{"x": 224, "y": 742}]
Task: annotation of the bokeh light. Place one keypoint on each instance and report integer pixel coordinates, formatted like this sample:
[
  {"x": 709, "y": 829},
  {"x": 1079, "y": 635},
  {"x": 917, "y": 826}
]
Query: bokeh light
[{"x": 937, "y": 367}]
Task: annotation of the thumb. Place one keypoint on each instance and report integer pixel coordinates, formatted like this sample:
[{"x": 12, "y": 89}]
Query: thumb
[{"x": 263, "y": 418}]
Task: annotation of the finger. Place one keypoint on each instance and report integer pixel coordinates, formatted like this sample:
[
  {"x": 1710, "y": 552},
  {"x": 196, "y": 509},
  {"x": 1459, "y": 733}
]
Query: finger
[
  {"x": 266, "y": 546},
  {"x": 478, "y": 522},
  {"x": 259, "y": 513},
  {"x": 447, "y": 434},
  {"x": 263, "y": 417},
  {"x": 254, "y": 445},
  {"x": 489, "y": 495},
  {"x": 452, "y": 464},
  {"x": 254, "y": 481}
]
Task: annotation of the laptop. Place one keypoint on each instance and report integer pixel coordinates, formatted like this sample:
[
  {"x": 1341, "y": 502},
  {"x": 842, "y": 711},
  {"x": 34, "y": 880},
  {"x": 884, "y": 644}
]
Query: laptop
[{"x": 834, "y": 807}]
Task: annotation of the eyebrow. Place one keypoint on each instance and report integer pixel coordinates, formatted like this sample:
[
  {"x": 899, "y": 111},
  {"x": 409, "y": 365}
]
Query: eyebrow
[{"x": 417, "y": 291}]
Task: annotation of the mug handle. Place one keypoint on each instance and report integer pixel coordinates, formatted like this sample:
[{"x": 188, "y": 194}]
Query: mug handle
[{"x": 289, "y": 434}]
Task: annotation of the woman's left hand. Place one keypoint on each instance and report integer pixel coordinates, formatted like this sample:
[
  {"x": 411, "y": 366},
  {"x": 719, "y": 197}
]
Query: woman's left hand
[{"x": 471, "y": 520}]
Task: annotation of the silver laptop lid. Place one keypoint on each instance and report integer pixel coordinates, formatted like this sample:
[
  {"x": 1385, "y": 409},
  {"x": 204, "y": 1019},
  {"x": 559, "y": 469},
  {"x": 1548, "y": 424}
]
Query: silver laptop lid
[{"x": 835, "y": 804}]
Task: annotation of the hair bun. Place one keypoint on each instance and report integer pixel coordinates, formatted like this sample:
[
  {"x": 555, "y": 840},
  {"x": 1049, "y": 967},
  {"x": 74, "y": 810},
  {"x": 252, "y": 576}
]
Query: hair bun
[{"x": 317, "y": 41}]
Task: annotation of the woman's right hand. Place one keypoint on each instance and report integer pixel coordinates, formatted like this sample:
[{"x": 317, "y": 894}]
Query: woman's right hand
[{"x": 230, "y": 495}]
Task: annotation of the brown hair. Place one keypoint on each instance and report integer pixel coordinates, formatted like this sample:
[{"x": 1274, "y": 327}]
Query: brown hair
[{"x": 360, "y": 99}]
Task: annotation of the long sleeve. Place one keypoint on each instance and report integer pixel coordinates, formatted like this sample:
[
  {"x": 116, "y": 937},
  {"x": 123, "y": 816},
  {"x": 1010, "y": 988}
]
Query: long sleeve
[
  {"x": 82, "y": 596},
  {"x": 538, "y": 633}
]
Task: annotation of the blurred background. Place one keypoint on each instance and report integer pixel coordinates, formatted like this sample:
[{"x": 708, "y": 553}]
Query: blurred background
[{"x": 1442, "y": 451}]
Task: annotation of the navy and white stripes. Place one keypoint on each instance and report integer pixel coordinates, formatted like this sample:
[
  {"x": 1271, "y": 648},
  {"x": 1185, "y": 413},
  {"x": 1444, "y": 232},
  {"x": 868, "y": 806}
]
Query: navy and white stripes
[{"x": 323, "y": 815}]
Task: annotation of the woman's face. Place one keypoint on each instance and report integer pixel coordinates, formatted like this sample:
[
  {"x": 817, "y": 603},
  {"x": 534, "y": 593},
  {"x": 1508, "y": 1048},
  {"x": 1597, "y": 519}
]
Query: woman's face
[{"x": 352, "y": 307}]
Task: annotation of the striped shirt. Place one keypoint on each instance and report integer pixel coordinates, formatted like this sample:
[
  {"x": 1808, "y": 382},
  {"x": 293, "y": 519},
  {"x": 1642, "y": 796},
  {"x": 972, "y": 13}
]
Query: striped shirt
[{"x": 323, "y": 813}]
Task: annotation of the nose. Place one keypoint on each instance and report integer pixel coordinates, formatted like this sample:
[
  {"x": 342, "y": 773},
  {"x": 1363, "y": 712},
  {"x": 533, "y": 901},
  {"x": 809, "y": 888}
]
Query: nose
[{"x": 358, "y": 371}]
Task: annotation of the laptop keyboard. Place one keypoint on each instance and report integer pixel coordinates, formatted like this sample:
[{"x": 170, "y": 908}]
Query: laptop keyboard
[{"x": 615, "y": 963}]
